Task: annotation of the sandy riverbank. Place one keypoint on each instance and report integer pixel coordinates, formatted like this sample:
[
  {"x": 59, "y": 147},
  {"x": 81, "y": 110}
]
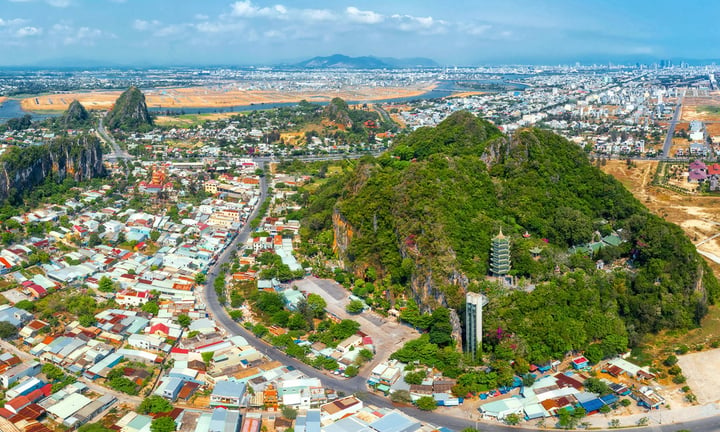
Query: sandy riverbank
[{"x": 217, "y": 97}]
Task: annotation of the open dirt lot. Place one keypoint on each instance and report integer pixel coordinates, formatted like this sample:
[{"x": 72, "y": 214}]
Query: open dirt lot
[
  {"x": 387, "y": 334},
  {"x": 693, "y": 108},
  {"x": 216, "y": 97},
  {"x": 698, "y": 216},
  {"x": 466, "y": 94},
  {"x": 700, "y": 369}
]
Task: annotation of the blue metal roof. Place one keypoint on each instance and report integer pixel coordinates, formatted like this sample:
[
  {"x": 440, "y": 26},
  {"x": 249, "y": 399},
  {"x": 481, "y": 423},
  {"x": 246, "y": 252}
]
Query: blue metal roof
[
  {"x": 609, "y": 399},
  {"x": 592, "y": 405}
]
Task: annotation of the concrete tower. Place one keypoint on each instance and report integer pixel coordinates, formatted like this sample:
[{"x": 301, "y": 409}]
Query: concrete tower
[{"x": 473, "y": 321}]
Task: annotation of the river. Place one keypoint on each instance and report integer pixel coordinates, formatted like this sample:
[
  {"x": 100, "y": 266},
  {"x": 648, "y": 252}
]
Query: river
[{"x": 11, "y": 108}]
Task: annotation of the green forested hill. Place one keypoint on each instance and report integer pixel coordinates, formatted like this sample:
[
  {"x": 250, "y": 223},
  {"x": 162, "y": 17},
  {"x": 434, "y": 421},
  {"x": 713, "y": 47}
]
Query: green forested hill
[
  {"x": 423, "y": 216},
  {"x": 130, "y": 112}
]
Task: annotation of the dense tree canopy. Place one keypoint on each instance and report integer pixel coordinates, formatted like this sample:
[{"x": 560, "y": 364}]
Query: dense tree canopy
[{"x": 426, "y": 214}]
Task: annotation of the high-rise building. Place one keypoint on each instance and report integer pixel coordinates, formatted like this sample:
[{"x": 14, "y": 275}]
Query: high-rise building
[
  {"x": 473, "y": 321},
  {"x": 500, "y": 256}
]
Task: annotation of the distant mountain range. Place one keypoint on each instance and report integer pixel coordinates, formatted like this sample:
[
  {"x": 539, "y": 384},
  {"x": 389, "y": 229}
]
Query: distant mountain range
[{"x": 339, "y": 61}]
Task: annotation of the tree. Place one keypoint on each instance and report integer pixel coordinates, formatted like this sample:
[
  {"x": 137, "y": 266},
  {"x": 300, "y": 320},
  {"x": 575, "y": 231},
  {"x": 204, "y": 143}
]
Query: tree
[
  {"x": 25, "y": 305},
  {"x": 200, "y": 278},
  {"x": 365, "y": 355},
  {"x": 512, "y": 419},
  {"x": 184, "y": 320},
  {"x": 355, "y": 306},
  {"x": 270, "y": 302},
  {"x": 154, "y": 235},
  {"x": 351, "y": 371},
  {"x": 594, "y": 385},
  {"x": 154, "y": 404},
  {"x": 86, "y": 320},
  {"x": 594, "y": 353},
  {"x": 297, "y": 322},
  {"x": 52, "y": 372},
  {"x": 94, "y": 240},
  {"x": 401, "y": 396},
  {"x": 94, "y": 427},
  {"x": 163, "y": 424},
  {"x": 317, "y": 305},
  {"x": 105, "y": 284},
  {"x": 150, "y": 307},
  {"x": 289, "y": 412},
  {"x": 236, "y": 315},
  {"x": 426, "y": 403},
  {"x": 7, "y": 330},
  {"x": 670, "y": 361},
  {"x": 415, "y": 377},
  {"x": 260, "y": 330},
  {"x": 207, "y": 357}
]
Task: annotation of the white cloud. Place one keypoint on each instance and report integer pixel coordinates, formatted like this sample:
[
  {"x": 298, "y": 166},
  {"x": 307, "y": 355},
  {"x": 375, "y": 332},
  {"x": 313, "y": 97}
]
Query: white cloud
[
  {"x": 316, "y": 15},
  {"x": 169, "y": 30},
  {"x": 364, "y": 17},
  {"x": 201, "y": 17},
  {"x": 28, "y": 31},
  {"x": 59, "y": 3},
  {"x": 218, "y": 27},
  {"x": 475, "y": 29},
  {"x": 71, "y": 35},
  {"x": 275, "y": 34},
  {"x": 246, "y": 9},
  {"x": 426, "y": 25},
  {"x": 12, "y": 22},
  {"x": 143, "y": 25}
]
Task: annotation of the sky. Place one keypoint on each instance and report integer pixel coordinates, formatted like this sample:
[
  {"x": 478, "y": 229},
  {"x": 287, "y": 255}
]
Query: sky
[{"x": 258, "y": 32}]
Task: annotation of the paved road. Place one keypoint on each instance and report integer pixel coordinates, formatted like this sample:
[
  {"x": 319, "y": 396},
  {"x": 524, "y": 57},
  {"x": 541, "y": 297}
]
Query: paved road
[
  {"x": 671, "y": 127},
  {"x": 117, "y": 152}
]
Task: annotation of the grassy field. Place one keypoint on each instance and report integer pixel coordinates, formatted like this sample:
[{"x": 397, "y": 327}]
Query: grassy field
[
  {"x": 712, "y": 109},
  {"x": 191, "y": 120}
]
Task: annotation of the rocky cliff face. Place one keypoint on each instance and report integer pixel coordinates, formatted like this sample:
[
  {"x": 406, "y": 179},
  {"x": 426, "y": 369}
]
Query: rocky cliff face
[{"x": 22, "y": 169}]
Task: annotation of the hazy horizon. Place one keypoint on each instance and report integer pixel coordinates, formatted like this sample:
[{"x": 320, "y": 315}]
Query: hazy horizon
[{"x": 245, "y": 33}]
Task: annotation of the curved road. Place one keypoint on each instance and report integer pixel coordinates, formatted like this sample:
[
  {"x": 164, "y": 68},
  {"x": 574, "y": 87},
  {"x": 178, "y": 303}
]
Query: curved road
[
  {"x": 117, "y": 152},
  {"x": 357, "y": 384}
]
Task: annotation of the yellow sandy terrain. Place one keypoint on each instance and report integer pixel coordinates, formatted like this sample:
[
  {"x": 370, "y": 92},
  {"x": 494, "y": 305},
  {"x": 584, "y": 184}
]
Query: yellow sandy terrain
[
  {"x": 2, "y": 99},
  {"x": 693, "y": 108},
  {"x": 216, "y": 97},
  {"x": 697, "y": 215},
  {"x": 466, "y": 94}
]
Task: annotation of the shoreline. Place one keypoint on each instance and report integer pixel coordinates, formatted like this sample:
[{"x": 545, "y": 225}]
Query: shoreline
[{"x": 189, "y": 98}]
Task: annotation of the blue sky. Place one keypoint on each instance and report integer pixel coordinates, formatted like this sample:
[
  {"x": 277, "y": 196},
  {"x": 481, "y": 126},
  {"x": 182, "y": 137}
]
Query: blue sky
[{"x": 246, "y": 32}]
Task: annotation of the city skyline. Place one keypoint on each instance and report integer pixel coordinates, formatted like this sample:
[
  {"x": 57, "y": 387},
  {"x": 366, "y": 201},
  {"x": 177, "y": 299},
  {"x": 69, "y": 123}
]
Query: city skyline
[{"x": 246, "y": 32}]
